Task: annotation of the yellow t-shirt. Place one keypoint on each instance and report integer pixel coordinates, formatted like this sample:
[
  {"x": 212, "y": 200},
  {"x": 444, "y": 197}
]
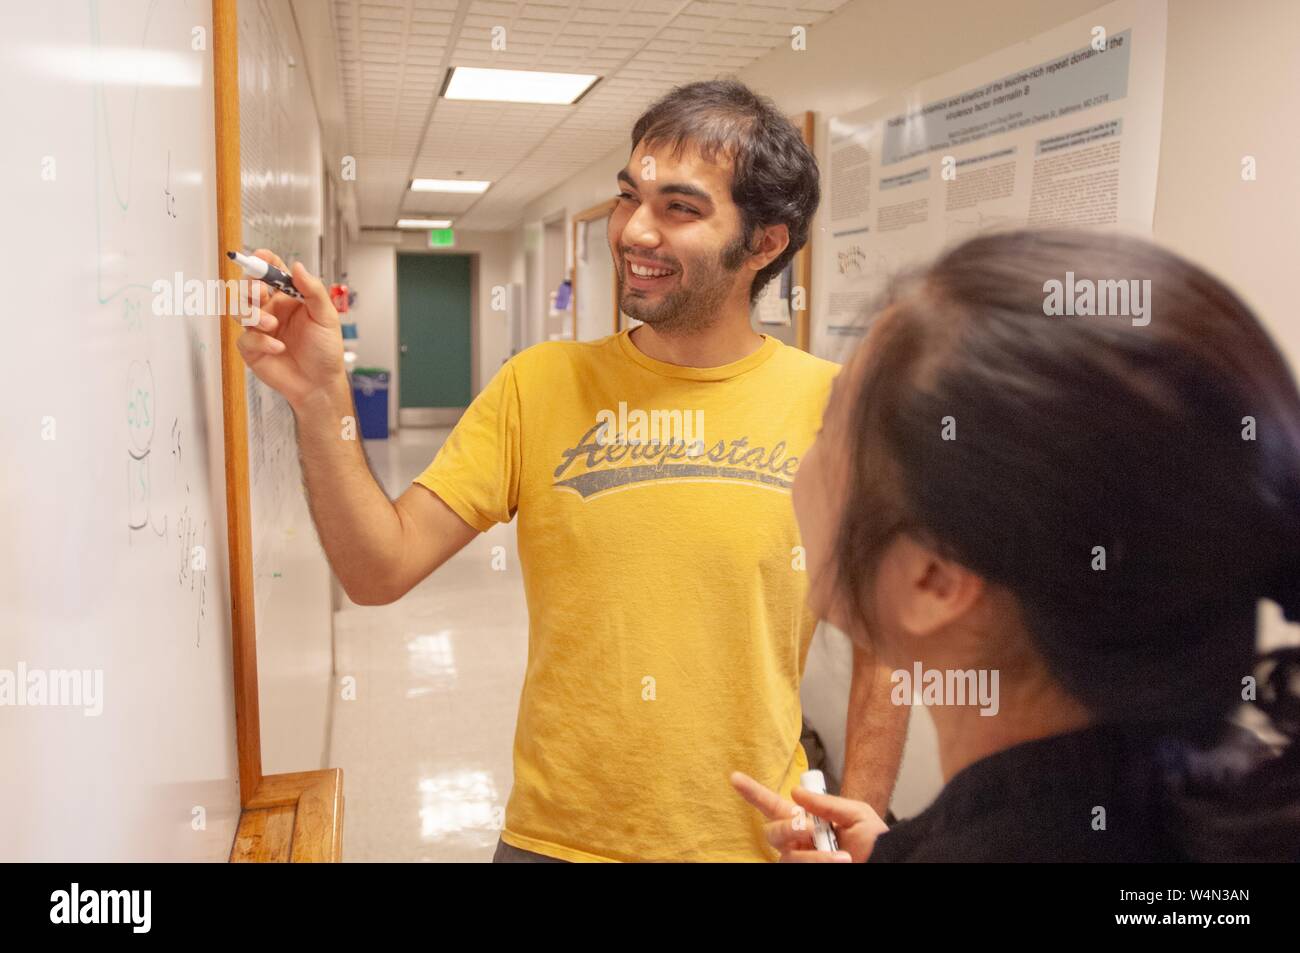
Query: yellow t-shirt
[{"x": 667, "y": 624}]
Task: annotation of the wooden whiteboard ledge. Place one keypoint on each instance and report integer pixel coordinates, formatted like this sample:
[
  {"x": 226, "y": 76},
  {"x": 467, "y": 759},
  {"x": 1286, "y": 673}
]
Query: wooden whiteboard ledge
[{"x": 292, "y": 818}]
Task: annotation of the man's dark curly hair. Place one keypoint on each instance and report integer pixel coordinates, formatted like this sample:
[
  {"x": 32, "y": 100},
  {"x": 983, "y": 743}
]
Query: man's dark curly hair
[{"x": 775, "y": 179}]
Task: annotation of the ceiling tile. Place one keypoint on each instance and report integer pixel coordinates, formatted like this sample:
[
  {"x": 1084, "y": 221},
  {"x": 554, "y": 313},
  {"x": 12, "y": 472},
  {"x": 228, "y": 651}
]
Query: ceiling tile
[{"x": 392, "y": 58}]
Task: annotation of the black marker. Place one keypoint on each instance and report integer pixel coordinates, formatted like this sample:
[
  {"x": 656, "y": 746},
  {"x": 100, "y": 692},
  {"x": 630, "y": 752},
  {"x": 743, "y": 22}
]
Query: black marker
[{"x": 264, "y": 271}]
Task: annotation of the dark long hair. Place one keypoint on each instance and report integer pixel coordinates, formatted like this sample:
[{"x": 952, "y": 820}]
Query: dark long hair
[
  {"x": 1172, "y": 445},
  {"x": 775, "y": 179}
]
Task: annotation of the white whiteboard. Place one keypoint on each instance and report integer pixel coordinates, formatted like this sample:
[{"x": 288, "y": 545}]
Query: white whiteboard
[{"x": 106, "y": 179}]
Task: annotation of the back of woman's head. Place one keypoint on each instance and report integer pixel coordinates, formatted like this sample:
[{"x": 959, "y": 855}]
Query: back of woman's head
[{"x": 1132, "y": 479}]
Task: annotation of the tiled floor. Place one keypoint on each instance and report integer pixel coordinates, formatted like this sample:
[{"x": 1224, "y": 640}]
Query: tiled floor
[{"x": 425, "y": 746}]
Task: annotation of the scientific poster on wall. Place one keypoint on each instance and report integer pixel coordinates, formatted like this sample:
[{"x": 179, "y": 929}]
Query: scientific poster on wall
[{"x": 1061, "y": 129}]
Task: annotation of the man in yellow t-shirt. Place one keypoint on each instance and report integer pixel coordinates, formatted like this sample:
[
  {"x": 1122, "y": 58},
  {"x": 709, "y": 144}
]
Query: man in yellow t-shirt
[
  {"x": 651, "y": 474},
  {"x": 667, "y": 630}
]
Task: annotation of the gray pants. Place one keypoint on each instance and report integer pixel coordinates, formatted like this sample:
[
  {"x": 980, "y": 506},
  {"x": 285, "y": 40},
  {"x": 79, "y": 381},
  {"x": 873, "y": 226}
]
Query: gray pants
[{"x": 506, "y": 854}]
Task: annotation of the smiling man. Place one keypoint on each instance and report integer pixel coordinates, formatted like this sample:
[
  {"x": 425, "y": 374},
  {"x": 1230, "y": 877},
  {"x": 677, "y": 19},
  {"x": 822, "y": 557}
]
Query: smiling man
[{"x": 663, "y": 570}]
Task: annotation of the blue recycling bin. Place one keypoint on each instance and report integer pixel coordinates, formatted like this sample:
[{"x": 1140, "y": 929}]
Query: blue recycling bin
[{"x": 370, "y": 391}]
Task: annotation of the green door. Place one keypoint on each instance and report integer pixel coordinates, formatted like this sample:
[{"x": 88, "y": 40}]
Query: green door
[{"x": 433, "y": 321}]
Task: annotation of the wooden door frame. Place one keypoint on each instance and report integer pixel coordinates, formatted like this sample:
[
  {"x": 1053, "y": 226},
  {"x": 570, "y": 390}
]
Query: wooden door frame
[
  {"x": 602, "y": 210},
  {"x": 802, "y": 274}
]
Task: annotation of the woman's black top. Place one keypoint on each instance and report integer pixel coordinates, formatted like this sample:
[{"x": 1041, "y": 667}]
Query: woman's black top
[{"x": 1091, "y": 795}]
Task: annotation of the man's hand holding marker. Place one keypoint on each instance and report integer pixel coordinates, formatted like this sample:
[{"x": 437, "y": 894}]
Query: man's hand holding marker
[{"x": 296, "y": 344}]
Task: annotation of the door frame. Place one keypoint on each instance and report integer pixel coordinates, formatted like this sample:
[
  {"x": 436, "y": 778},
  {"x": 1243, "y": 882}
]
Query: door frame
[
  {"x": 580, "y": 220},
  {"x": 560, "y": 221},
  {"x": 437, "y": 416}
]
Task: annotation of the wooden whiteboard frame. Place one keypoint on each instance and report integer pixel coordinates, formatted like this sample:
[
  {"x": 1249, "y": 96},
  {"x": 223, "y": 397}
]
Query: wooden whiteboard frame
[
  {"x": 234, "y": 399},
  {"x": 285, "y": 816}
]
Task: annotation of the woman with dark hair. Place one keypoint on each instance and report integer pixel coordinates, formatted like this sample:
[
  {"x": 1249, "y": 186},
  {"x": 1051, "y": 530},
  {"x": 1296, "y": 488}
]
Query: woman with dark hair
[{"x": 1086, "y": 508}]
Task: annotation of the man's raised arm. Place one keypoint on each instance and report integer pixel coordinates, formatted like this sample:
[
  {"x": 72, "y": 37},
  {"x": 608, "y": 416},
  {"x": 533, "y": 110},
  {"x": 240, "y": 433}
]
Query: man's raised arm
[{"x": 378, "y": 548}]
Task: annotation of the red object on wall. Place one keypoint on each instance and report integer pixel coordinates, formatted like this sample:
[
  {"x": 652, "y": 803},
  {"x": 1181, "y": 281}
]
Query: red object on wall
[{"x": 339, "y": 295}]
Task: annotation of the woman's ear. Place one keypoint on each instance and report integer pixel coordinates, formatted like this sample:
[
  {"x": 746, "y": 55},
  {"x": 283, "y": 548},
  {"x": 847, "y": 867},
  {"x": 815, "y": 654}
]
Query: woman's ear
[{"x": 927, "y": 592}]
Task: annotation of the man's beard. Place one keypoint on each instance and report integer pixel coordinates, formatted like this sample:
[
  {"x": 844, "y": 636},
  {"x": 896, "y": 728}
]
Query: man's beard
[{"x": 687, "y": 310}]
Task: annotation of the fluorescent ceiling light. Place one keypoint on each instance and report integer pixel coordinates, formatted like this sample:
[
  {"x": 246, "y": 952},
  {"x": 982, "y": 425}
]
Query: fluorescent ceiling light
[
  {"x": 516, "y": 85},
  {"x": 449, "y": 185},
  {"x": 424, "y": 223}
]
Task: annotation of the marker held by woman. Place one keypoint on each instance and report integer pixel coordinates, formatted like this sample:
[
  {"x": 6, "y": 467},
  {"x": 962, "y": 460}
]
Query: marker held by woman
[
  {"x": 264, "y": 271},
  {"x": 823, "y": 834}
]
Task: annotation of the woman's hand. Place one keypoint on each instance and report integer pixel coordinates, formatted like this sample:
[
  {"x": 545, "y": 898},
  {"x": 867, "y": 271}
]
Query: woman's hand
[{"x": 790, "y": 830}]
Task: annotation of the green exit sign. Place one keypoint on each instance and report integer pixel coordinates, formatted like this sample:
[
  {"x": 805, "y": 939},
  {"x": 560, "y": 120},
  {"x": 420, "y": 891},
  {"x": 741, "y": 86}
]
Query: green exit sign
[{"x": 441, "y": 238}]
